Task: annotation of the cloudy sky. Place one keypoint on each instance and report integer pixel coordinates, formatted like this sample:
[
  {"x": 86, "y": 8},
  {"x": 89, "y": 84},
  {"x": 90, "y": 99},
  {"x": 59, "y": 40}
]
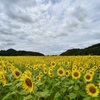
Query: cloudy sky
[{"x": 49, "y": 26}]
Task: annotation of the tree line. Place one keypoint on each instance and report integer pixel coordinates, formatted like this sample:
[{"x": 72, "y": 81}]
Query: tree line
[
  {"x": 91, "y": 50},
  {"x": 12, "y": 52}
]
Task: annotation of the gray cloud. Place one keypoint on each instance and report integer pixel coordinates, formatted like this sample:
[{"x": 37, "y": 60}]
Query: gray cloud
[
  {"x": 14, "y": 26},
  {"x": 49, "y": 26},
  {"x": 22, "y": 3},
  {"x": 5, "y": 31},
  {"x": 80, "y": 14},
  {"x": 96, "y": 34},
  {"x": 9, "y": 44},
  {"x": 19, "y": 15}
]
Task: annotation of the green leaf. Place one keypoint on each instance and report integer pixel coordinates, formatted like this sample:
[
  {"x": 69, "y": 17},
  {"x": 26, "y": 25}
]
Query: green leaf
[
  {"x": 43, "y": 94},
  {"x": 21, "y": 98},
  {"x": 66, "y": 97},
  {"x": 12, "y": 88},
  {"x": 8, "y": 84},
  {"x": 82, "y": 93},
  {"x": 72, "y": 95},
  {"x": 56, "y": 96},
  {"x": 16, "y": 81},
  {"x": 18, "y": 84},
  {"x": 70, "y": 87},
  {"x": 63, "y": 78},
  {"x": 7, "y": 96},
  {"x": 63, "y": 90},
  {"x": 76, "y": 87},
  {"x": 70, "y": 82},
  {"x": 58, "y": 83},
  {"x": 38, "y": 83},
  {"x": 22, "y": 92},
  {"x": 87, "y": 98},
  {"x": 27, "y": 97}
]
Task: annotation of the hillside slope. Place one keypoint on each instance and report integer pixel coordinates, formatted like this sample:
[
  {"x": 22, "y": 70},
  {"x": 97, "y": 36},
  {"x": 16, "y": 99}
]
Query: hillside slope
[
  {"x": 91, "y": 50},
  {"x": 12, "y": 52}
]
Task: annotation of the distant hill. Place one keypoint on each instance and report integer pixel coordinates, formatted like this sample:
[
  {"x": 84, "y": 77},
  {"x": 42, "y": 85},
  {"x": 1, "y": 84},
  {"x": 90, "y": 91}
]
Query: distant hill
[
  {"x": 91, "y": 50},
  {"x": 12, "y": 52}
]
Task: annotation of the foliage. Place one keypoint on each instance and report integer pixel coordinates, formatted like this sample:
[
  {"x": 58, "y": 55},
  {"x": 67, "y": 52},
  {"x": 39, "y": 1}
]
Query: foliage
[
  {"x": 92, "y": 50},
  {"x": 12, "y": 52}
]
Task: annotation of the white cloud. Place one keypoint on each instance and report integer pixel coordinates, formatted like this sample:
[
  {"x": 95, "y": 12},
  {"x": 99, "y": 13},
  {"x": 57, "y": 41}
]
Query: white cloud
[{"x": 49, "y": 26}]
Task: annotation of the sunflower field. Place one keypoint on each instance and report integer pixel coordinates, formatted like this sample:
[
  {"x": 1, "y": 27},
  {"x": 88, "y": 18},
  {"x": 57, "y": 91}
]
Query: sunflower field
[{"x": 50, "y": 78}]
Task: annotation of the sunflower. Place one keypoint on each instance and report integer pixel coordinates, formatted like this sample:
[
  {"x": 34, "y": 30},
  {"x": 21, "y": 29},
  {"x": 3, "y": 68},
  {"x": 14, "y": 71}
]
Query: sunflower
[
  {"x": 3, "y": 79},
  {"x": 76, "y": 74},
  {"x": 27, "y": 65},
  {"x": 2, "y": 76},
  {"x": 98, "y": 66},
  {"x": 60, "y": 71},
  {"x": 86, "y": 65},
  {"x": 27, "y": 83},
  {"x": 67, "y": 72},
  {"x": 40, "y": 74},
  {"x": 35, "y": 67},
  {"x": 12, "y": 67},
  {"x": 92, "y": 90},
  {"x": 45, "y": 70},
  {"x": 53, "y": 64},
  {"x": 8, "y": 65},
  {"x": 81, "y": 69},
  {"x": 91, "y": 72},
  {"x": 28, "y": 73},
  {"x": 51, "y": 75},
  {"x": 16, "y": 73},
  {"x": 2, "y": 63},
  {"x": 49, "y": 70},
  {"x": 30, "y": 67},
  {"x": 73, "y": 69},
  {"x": 88, "y": 77},
  {"x": 4, "y": 69},
  {"x": 38, "y": 78},
  {"x": 74, "y": 66},
  {"x": 95, "y": 68},
  {"x": 44, "y": 65},
  {"x": 40, "y": 66}
]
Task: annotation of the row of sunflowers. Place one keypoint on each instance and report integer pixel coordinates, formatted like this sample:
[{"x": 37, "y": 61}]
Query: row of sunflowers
[{"x": 50, "y": 78}]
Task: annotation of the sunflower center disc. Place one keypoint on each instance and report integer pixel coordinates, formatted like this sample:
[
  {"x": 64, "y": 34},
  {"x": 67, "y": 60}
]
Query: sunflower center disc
[
  {"x": 17, "y": 73},
  {"x": 60, "y": 71},
  {"x": 92, "y": 89},
  {"x": 28, "y": 82},
  {"x": 66, "y": 73},
  {"x": 87, "y": 77},
  {"x": 75, "y": 74}
]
